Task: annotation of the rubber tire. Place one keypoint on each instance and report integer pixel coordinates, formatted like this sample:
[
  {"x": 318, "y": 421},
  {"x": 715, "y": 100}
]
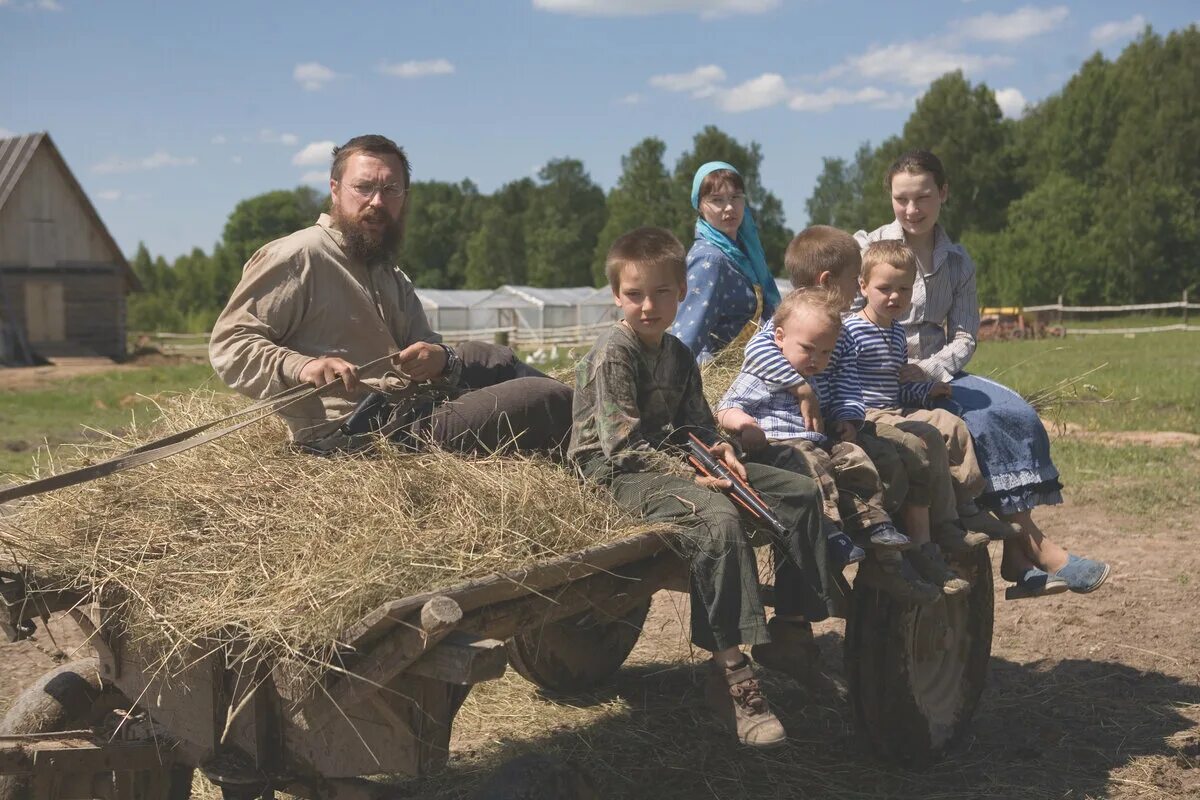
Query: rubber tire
[
  {"x": 909, "y": 707},
  {"x": 70, "y": 697},
  {"x": 577, "y": 653}
]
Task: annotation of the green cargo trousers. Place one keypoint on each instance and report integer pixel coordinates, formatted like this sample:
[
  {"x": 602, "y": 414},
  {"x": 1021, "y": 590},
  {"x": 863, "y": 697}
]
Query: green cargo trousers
[{"x": 727, "y": 608}]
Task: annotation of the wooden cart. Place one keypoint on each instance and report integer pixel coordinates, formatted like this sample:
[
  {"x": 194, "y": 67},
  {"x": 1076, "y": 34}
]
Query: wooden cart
[{"x": 111, "y": 727}]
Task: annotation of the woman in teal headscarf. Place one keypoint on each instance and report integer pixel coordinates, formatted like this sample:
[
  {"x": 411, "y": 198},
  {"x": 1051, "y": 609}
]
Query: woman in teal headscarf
[{"x": 730, "y": 288}]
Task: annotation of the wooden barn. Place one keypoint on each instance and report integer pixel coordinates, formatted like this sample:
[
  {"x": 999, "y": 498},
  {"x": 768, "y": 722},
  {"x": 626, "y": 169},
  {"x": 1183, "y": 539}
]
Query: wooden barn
[{"x": 63, "y": 280}]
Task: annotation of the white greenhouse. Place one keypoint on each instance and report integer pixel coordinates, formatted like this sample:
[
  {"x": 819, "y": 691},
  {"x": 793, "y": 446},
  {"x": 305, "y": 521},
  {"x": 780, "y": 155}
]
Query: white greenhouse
[{"x": 451, "y": 309}]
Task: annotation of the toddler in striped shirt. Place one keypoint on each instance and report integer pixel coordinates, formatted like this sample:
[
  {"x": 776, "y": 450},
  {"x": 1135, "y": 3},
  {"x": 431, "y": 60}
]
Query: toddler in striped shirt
[
  {"x": 871, "y": 373},
  {"x": 806, "y": 327}
]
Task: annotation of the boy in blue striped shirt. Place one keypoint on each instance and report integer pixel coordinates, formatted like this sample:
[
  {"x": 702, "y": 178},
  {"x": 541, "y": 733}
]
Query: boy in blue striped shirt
[{"x": 874, "y": 350}]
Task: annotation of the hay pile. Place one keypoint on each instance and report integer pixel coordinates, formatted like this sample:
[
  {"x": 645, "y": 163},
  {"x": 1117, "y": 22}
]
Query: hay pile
[
  {"x": 242, "y": 540},
  {"x": 718, "y": 373}
]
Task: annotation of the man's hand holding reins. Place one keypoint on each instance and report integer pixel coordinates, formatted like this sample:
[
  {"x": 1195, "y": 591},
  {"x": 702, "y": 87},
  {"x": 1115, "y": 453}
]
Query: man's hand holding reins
[
  {"x": 422, "y": 361},
  {"x": 328, "y": 369}
]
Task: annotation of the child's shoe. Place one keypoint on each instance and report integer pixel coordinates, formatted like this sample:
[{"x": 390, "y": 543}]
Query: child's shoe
[
  {"x": 927, "y": 560},
  {"x": 736, "y": 697},
  {"x": 976, "y": 519},
  {"x": 954, "y": 539},
  {"x": 793, "y": 651},
  {"x": 884, "y": 535},
  {"x": 842, "y": 550},
  {"x": 888, "y": 572}
]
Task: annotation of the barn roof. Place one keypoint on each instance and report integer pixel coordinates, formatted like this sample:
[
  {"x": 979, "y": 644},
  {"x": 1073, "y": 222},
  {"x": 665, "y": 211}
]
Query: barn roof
[{"x": 15, "y": 155}]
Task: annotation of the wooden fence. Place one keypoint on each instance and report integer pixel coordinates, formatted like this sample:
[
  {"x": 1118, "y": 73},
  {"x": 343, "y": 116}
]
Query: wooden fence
[{"x": 1058, "y": 309}]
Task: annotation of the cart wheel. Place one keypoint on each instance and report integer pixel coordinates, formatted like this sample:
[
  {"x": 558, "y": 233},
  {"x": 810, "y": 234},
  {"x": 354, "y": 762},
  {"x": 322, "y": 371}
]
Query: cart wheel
[
  {"x": 575, "y": 654},
  {"x": 916, "y": 672},
  {"x": 71, "y": 697}
]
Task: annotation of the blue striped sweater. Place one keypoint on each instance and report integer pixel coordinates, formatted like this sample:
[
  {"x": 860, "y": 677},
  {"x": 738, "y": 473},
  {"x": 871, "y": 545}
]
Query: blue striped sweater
[{"x": 863, "y": 372}]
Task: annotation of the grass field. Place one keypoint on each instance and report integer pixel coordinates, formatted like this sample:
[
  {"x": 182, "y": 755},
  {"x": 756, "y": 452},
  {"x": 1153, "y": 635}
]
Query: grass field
[
  {"x": 63, "y": 410},
  {"x": 1148, "y": 382}
]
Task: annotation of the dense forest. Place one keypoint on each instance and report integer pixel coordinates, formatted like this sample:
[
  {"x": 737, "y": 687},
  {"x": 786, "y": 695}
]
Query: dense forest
[{"x": 1094, "y": 194}]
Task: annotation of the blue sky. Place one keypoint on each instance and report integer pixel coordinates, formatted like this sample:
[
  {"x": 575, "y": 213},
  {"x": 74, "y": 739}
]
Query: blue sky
[{"x": 170, "y": 113}]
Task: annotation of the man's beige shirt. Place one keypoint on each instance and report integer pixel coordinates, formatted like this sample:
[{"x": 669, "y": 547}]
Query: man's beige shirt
[{"x": 301, "y": 297}]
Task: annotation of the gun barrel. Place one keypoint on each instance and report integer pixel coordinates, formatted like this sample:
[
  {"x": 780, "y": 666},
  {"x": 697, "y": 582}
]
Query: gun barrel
[{"x": 740, "y": 491}]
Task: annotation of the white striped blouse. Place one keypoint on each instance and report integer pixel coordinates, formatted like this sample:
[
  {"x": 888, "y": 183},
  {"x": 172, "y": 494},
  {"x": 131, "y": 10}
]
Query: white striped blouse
[{"x": 944, "y": 318}]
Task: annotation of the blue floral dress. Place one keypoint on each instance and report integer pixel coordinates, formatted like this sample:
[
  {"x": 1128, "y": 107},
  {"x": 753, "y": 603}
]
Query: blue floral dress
[{"x": 720, "y": 301}]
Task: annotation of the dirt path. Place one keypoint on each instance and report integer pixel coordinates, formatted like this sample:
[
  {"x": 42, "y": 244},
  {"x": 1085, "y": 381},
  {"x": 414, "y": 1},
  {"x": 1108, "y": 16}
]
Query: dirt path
[
  {"x": 24, "y": 379},
  {"x": 1088, "y": 697}
]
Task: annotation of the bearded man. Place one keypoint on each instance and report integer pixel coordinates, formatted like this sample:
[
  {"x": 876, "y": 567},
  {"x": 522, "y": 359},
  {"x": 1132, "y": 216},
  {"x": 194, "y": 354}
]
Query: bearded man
[{"x": 314, "y": 306}]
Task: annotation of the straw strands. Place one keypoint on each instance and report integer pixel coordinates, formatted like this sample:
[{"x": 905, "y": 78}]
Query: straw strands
[{"x": 247, "y": 542}]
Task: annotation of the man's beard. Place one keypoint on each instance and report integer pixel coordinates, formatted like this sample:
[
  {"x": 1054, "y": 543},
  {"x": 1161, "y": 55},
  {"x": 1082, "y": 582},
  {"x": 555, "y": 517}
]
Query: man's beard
[{"x": 365, "y": 245}]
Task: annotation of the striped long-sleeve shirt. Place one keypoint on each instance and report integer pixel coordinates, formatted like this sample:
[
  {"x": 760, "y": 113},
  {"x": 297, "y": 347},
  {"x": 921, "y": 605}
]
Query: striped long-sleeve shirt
[
  {"x": 775, "y": 409},
  {"x": 944, "y": 318},
  {"x": 868, "y": 369},
  {"x": 765, "y": 362}
]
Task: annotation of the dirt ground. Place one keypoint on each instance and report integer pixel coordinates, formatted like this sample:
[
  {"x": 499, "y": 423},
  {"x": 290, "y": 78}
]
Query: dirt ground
[
  {"x": 1088, "y": 697},
  {"x": 31, "y": 378}
]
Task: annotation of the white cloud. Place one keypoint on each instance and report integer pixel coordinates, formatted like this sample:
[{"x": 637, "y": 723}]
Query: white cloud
[
  {"x": 315, "y": 154},
  {"x": 317, "y": 176},
  {"x": 156, "y": 160},
  {"x": 632, "y": 99},
  {"x": 1011, "y": 101},
  {"x": 707, "y": 9},
  {"x": 109, "y": 195},
  {"x": 771, "y": 89},
  {"x": 1021, "y": 24},
  {"x": 417, "y": 69},
  {"x": 1119, "y": 29},
  {"x": 768, "y": 89},
  {"x": 913, "y": 63},
  {"x": 268, "y": 136},
  {"x": 700, "y": 82},
  {"x": 236, "y": 159},
  {"x": 36, "y": 5},
  {"x": 5, "y": 133},
  {"x": 312, "y": 76},
  {"x": 822, "y": 101},
  {"x": 219, "y": 139}
]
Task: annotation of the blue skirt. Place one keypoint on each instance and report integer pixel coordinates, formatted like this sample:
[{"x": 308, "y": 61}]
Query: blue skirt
[{"x": 1010, "y": 443}]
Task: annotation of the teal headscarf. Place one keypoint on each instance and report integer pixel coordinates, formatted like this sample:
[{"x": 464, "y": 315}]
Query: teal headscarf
[{"x": 751, "y": 261}]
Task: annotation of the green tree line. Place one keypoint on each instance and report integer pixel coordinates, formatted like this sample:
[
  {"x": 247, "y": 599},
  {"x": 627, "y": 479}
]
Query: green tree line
[
  {"x": 550, "y": 231},
  {"x": 1094, "y": 194}
]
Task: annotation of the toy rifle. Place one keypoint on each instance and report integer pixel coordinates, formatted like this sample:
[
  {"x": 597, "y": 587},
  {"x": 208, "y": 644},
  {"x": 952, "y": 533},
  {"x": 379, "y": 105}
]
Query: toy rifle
[{"x": 739, "y": 491}]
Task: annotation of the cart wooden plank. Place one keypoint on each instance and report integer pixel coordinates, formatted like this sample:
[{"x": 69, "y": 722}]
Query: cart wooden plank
[
  {"x": 79, "y": 752},
  {"x": 510, "y": 585}
]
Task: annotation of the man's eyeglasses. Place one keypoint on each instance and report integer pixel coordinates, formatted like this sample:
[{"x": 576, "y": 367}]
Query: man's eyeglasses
[
  {"x": 720, "y": 201},
  {"x": 389, "y": 191}
]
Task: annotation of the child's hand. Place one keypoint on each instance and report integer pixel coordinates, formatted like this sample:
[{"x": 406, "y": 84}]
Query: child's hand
[
  {"x": 810, "y": 408},
  {"x": 846, "y": 430},
  {"x": 722, "y": 451},
  {"x": 752, "y": 437},
  {"x": 911, "y": 373},
  {"x": 940, "y": 389}
]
